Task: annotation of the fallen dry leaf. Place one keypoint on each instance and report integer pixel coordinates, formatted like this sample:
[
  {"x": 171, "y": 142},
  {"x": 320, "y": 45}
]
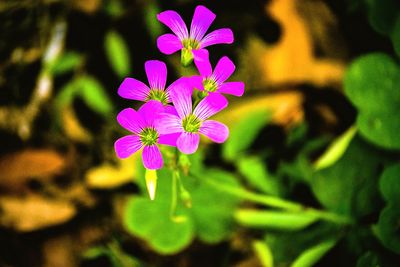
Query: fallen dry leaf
[
  {"x": 286, "y": 108},
  {"x": 72, "y": 128},
  {"x": 33, "y": 212},
  {"x": 108, "y": 176},
  {"x": 291, "y": 60},
  {"x": 19, "y": 167}
]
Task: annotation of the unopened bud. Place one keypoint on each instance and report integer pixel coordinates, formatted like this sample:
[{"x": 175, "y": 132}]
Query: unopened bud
[{"x": 151, "y": 182}]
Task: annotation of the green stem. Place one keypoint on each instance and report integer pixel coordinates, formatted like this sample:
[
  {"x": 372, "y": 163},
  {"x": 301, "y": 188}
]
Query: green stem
[
  {"x": 174, "y": 197},
  {"x": 278, "y": 202}
]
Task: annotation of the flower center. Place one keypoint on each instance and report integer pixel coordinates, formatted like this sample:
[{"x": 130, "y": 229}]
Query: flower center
[
  {"x": 210, "y": 85},
  {"x": 157, "y": 94},
  {"x": 191, "y": 44},
  {"x": 191, "y": 124},
  {"x": 148, "y": 136}
]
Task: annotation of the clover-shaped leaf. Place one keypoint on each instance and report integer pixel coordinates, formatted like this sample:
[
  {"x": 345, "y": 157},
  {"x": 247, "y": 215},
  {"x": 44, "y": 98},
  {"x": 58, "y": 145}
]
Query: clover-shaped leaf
[
  {"x": 387, "y": 229},
  {"x": 372, "y": 84},
  {"x": 390, "y": 184}
]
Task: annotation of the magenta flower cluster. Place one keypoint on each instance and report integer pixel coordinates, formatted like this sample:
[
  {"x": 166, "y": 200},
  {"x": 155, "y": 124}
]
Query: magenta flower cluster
[{"x": 168, "y": 115}]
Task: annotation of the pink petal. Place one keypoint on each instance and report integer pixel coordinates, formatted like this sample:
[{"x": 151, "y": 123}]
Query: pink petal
[
  {"x": 221, "y": 36},
  {"x": 232, "y": 88},
  {"x": 202, "y": 62},
  {"x": 127, "y": 145},
  {"x": 175, "y": 22},
  {"x": 156, "y": 74},
  {"x": 214, "y": 130},
  {"x": 197, "y": 82},
  {"x": 202, "y": 19},
  {"x": 188, "y": 143},
  {"x": 171, "y": 110},
  {"x": 168, "y": 139},
  {"x": 131, "y": 88},
  {"x": 152, "y": 158},
  {"x": 181, "y": 95},
  {"x": 169, "y": 44},
  {"x": 223, "y": 70},
  {"x": 210, "y": 105},
  {"x": 168, "y": 123},
  {"x": 131, "y": 120},
  {"x": 150, "y": 110}
]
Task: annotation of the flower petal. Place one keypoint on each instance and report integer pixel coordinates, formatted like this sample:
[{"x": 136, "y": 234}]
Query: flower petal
[
  {"x": 232, "y": 88},
  {"x": 152, "y": 158},
  {"x": 202, "y": 19},
  {"x": 156, "y": 72},
  {"x": 202, "y": 62},
  {"x": 197, "y": 82},
  {"x": 175, "y": 22},
  {"x": 180, "y": 94},
  {"x": 169, "y": 44},
  {"x": 150, "y": 110},
  {"x": 131, "y": 120},
  {"x": 216, "y": 131},
  {"x": 168, "y": 139},
  {"x": 168, "y": 123},
  {"x": 171, "y": 110},
  {"x": 188, "y": 143},
  {"x": 131, "y": 88},
  {"x": 220, "y": 36},
  {"x": 210, "y": 105},
  {"x": 223, "y": 70},
  {"x": 127, "y": 145}
]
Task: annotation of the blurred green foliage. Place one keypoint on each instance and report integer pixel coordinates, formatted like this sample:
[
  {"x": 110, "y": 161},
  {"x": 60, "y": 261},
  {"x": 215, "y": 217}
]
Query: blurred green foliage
[
  {"x": 117, "y": 53},
  {"x": 349, "y": 193}
]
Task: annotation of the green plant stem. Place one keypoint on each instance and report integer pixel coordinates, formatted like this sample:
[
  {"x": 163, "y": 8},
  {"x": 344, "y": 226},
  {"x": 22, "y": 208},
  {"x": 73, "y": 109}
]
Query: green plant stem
[
  {"x": 278, "y": 202},
  {"x": 174, "y": 197}
]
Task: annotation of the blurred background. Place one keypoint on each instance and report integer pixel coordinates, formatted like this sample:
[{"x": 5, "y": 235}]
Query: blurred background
[{"x": 308, "y": 177}]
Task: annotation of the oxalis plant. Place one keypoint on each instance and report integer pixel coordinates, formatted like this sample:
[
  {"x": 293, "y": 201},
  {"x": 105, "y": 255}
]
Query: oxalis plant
[
  {"x": 176, "y": 115},
  {"x": 167, "y": 128}
]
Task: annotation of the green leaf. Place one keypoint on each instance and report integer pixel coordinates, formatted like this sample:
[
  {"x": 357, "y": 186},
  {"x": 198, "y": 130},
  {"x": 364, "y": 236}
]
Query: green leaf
[
  {"x": 390, "y": 184},
  {"x": 212, "y": 209},
  {"x": 243, "y": 134},
  {"x": 117, "y": 53},
  {"x": 349, "y": 186},
  {"x": 151, "y": 10},
  {"x": 254, "y": 170},
  {"x": 370, "y": 259},
  {"x": 95, "y": 252},
  {"x": 380, "y": 128},
  {"x": 336, "y": 149},
  {"x": 388, "y": 228},
  {"x": 287, "y": 246},
  {"x": 382, "y": 14},
  {"x": 285, "y": 221},
  {"x": 66, "y": 94},
  {"x": 151, "y": 220},
  {"x": 263, "y": 253},
  {"x": 67, "y": 62},
  {"x": 93, "y": 93},
  {"x": 372, "y": 83},
  {"x": 312, "y": 255}
]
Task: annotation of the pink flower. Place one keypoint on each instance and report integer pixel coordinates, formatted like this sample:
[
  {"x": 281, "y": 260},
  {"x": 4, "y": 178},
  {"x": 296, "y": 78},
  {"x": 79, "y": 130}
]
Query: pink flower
[
  {"x": 214, "y": 81},
  {"x": 196, "y": 39},
  {"x": 156, "y": 72},
  {"x": 145, "y": 134},
  {"x": 190, "y": 123}
]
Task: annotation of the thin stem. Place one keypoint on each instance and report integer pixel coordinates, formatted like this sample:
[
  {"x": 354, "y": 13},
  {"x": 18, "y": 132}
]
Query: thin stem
[
  {"x": 174, "y": 199},
  {"x": 277, "y": 202}
]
